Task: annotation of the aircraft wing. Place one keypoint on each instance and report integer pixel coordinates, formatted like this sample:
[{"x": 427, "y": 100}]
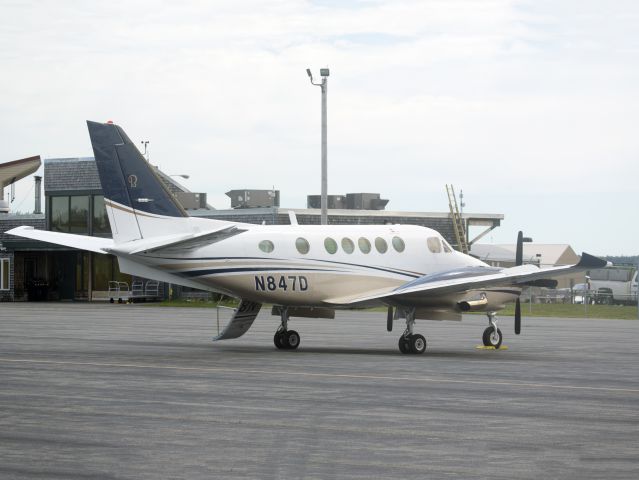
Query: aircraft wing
[
  {"x": 472, "y": 278},
  {"x": 82, "y": 242}
]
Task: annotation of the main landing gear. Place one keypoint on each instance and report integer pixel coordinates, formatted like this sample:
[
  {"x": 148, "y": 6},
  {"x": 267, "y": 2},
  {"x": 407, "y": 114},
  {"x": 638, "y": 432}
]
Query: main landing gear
[
  {"x": 492, "y": 335},
  {"x": 284, "y": 338},
  {"x": 411, "y": 342}
]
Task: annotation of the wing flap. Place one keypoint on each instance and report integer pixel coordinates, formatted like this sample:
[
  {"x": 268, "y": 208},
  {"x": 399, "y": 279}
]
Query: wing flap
[{"x": 81, "y": 242}]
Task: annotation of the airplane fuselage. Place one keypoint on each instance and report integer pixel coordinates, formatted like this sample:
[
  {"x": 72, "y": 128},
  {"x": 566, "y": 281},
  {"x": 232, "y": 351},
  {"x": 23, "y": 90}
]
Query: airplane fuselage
[{"x": 314, "y": 265}]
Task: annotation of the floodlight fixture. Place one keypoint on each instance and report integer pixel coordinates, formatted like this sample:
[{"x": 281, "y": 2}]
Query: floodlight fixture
[
  {"x": 324, "y": 72},
  {"x": 310, "y": 75}
]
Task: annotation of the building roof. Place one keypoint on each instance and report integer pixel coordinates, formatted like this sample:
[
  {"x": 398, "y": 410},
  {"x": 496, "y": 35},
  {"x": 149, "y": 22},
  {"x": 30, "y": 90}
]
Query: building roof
[{"x": 538, "y": 253}]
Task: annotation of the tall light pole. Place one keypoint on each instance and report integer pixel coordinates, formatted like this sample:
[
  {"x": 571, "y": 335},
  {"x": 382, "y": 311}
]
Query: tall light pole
[{"x": 324, "y": 85}]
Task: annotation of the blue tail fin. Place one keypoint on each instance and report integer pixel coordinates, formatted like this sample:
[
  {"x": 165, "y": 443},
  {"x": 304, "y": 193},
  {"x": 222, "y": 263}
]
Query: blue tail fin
[{"x": 126, "y": 177}]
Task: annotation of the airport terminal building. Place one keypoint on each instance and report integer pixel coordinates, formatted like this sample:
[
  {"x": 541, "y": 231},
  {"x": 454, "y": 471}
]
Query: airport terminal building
[{"x": 73, "y": 203}]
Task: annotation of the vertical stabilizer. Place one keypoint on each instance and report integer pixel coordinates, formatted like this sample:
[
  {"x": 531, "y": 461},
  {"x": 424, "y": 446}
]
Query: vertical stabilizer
[{"x": 138, "y": 203}]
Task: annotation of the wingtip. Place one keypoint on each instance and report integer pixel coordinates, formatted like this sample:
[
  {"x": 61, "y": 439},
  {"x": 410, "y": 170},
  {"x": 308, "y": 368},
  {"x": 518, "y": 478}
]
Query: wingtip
[{"x": 590, "y": 261}]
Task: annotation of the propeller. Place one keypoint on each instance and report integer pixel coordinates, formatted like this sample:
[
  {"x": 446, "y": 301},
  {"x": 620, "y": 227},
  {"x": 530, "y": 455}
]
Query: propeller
[
  {"x": 389, "y": 319},
  {"x": 519, "y": 260}
]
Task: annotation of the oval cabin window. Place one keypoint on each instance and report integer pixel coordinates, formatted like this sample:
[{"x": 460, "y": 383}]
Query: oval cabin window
[
  {"x": 266, "y": 246},
  {"x": 398, "y": 244},
  {"x": 330, "y": 245},
  {"x": 347, "y": 245},
  {"x": 364, "y": 245},
  {"x": 302, "y": 245},
  {"x": 381, "y": 245}
]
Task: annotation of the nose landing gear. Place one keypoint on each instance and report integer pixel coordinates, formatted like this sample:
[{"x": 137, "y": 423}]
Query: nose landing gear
[{"x": 492, "y": 336}]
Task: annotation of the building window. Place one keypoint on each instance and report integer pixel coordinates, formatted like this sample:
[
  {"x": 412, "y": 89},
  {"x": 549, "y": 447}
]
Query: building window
[
  {"x": 364, "y": 245},
  {"x": 381, "y": 245},
  {"x": 79, "y": 214},
  {"x": 302, "y": 245},
  {"x": 100, "y": 217},
  {"x": 347, "y": 245},
  {"x": 4, "y": 274},
  {"x": 70, "y": 214},
  {"x": 330, "y": 245},
  {"x": 60, "y": 214},
  {"x": 266, "y": 246},
  {"x": 398, "y": 244}
]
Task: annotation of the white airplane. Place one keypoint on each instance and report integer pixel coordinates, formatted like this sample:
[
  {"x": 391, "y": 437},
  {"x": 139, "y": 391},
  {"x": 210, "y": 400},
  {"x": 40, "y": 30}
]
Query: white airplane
[{"x": 303, "y": 270}]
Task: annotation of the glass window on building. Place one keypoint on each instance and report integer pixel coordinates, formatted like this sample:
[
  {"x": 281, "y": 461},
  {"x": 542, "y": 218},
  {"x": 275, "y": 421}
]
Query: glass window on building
[
  {"x": 60, "y": 214},
  {"x": 79, "y": 214},
  {"x": 4, "y": 274},
  {"x": 105, "y": 269},
  {"x": 100, "y": 217}
]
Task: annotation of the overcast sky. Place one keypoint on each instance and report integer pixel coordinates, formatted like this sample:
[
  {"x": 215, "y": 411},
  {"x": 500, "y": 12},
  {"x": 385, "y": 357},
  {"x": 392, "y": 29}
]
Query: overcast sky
[{"x": 530, "y": 107}]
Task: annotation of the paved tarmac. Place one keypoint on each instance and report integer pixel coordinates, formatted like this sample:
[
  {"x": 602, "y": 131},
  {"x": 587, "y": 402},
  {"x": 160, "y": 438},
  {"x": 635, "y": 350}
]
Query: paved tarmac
[{"x": 135, "y": 391}]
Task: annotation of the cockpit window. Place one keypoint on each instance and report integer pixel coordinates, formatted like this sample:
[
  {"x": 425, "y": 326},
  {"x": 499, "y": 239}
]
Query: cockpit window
[
  {"x": 434, "y": 245},
  {"x": 447, "y": 248}
]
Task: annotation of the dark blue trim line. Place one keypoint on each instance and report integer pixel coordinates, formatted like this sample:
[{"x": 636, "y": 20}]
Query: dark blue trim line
[
  {"x": 216, "y": 271},
  {"x": 396, "y": 272}
]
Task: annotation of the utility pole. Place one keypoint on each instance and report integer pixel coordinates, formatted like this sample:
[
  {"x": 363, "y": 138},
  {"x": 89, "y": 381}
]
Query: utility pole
[{"x": 324, "y": 73}]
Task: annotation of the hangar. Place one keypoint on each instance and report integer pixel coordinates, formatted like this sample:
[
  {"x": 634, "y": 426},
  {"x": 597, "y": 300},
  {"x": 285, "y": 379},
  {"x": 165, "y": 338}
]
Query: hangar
[{"x": 73, "y": 203}]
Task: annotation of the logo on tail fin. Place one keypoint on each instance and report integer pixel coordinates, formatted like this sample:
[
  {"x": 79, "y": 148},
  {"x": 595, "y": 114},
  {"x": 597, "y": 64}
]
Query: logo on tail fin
[{"x": 133, "y": 181}]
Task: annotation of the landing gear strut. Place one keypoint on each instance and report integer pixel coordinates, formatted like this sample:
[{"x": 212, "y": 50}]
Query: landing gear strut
[
  {"x": 411, "y": 342},
  {"x": 492, "y": 336},
  {"x": 285, "y": 339}
]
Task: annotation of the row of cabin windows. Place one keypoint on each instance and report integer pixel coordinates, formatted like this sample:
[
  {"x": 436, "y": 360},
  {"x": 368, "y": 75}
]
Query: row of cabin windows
[{"x": 330, "y": 244}]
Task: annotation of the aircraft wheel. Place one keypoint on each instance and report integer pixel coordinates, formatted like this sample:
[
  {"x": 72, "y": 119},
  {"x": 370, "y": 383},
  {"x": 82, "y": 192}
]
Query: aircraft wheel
[
  {"x": 492, "y": 338},
  {"x": 404, "y": 344},
  {"x": 291, "y": 339},
  {"x": 417, "y": 343},
  {"x": 278, "y": 340}
]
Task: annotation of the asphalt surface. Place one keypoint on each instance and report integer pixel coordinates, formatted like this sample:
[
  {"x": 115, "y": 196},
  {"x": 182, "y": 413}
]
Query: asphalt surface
[{"x": 133, "y": 391}]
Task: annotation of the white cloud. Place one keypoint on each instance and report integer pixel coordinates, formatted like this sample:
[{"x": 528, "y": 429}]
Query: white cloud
[{"x": 509, "y": 100}]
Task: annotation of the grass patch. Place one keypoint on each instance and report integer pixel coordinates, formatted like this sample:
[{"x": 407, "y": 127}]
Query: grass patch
[
  {"x": 568, "y": 310},
  {"x": 559, "y": 310}
]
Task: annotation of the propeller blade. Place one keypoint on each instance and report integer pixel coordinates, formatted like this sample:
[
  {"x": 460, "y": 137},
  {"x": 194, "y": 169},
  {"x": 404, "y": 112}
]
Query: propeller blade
[
  {"x": 519, "y": 255},
  {"x": 517, "y": 317},
  {"x": 389, "y": 319}
]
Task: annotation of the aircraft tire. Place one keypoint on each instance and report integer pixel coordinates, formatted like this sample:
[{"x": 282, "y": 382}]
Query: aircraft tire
[
  {"x": 417, "y": 344},
  {"x": 488, "y": 339},
  {"x": 291, "y": 339},
  {"x": 278, "y": 340},
  {"x": 404, "y": 344}
]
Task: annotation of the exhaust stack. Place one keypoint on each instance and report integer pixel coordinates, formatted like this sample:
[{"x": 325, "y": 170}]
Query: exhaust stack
[
  {"x": 38, "y": 195},
  {"x": 468, "y": 305}
]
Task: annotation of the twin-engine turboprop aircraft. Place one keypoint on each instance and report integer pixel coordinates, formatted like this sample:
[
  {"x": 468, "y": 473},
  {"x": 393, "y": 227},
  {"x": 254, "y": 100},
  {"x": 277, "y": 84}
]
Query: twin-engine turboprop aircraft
[{"x": 303, "y": 270}]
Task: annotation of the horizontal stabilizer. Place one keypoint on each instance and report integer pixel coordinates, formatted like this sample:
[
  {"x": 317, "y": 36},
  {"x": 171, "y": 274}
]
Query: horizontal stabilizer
[
  {"x": 183, "y": 243},
  {"x": 81, "y": 242}
]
